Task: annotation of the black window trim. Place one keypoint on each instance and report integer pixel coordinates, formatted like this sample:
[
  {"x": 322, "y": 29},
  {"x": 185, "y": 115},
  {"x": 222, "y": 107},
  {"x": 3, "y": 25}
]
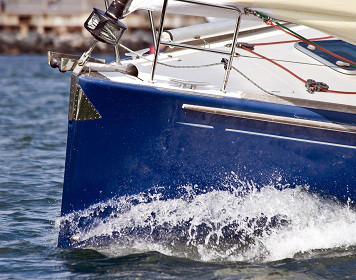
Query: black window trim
[{"x": 333, "y": 66}]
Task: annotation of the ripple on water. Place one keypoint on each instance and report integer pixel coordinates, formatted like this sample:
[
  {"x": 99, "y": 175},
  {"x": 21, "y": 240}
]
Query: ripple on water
[{"x": 33, "y": 116}]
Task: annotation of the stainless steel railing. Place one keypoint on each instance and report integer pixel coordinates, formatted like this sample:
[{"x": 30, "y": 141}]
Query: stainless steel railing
[{"x": 158, "y": 42}]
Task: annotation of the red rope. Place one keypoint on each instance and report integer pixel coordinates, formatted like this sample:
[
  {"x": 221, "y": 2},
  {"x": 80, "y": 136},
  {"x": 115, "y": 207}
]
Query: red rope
[
  {"x": 340, "y": 92},
  {"x": 291, "y": 41},
  {"x": 292, "y": 73},
  {"x": 311, "y": 43},
  {"x": 275, "y": 63}
]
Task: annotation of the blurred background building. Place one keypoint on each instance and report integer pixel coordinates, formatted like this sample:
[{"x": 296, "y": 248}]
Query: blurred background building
[{"x": 35, "y": 26}]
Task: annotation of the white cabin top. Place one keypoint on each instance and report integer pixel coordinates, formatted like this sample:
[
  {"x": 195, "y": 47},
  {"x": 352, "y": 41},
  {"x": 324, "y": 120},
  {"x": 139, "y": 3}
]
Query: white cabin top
[{"x": 259, "y": 77}]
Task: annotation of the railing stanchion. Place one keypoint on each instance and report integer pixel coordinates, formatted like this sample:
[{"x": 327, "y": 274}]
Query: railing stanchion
[
  {"x": 107, "y": 4},
  {"x": 153, "y": 29},
  {"x": 232, "y": 54},
  {"x": 158, "y": 40}
]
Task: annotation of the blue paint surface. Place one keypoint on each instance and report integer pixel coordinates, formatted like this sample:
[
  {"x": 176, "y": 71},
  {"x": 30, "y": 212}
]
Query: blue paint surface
[{"x": 142, "y": 141}]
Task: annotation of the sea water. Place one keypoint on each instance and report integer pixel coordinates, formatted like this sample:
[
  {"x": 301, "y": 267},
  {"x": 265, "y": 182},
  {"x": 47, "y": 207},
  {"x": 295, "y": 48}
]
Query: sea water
[{"x": 268, "y": 234}]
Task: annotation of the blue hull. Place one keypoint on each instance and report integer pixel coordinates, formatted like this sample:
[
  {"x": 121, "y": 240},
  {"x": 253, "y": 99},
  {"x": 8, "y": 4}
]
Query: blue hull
[{"x": 145, "y": 139}]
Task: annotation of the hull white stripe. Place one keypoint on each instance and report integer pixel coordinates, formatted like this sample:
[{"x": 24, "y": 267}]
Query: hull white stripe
[
  {"x": 290, "y": 138},
  {"x": 196, "y": 125},
  {"x": 272, "y": 118}
]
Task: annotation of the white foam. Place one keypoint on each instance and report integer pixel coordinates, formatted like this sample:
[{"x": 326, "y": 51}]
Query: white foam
[{"x": 238, "y": 225}]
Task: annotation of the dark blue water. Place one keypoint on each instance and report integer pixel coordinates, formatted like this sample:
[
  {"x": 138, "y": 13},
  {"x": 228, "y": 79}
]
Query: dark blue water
[{"x": 33, "y": 117}]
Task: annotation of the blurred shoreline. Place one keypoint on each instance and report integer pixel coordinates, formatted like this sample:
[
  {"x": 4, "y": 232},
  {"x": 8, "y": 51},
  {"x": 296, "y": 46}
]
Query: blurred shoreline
[
  {"x": 36, "y": 26},
  {"x": 36, "y": 43}
]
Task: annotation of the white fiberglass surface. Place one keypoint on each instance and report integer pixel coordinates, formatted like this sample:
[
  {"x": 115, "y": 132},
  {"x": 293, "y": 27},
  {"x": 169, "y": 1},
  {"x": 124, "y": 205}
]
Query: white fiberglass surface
[{"x": 259, "y": 75}]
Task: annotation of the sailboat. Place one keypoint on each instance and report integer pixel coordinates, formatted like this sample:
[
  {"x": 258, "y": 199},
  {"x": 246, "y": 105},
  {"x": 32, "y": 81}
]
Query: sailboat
[{"x": 264, "y": 96}]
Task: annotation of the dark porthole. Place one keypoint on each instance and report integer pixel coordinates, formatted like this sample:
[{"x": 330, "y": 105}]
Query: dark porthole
[{"x": 338, "y": 47}]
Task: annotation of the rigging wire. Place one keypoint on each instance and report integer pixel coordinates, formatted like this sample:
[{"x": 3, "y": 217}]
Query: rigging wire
[
  {"x": 315, "y": 86},
  {"x": 275, "y": 63},
  {"x": 296, "y": 35},
  {"x": 170, "y": 65},
  {"x": 289, "y": 61},
  {"x": 294, "y": 74},
  {"x": 204, "y": 66},
  {"x": 285, "y": 29},
  {"x": 291, "y": 41},
  {"x": 259, "y": 56},
  {"x": 239, "y": 55},
  {"x": 252, "y": 81}
]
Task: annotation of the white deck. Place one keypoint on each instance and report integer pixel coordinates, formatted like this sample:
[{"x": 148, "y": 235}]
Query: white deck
[{"x": 265, "y": 74}]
